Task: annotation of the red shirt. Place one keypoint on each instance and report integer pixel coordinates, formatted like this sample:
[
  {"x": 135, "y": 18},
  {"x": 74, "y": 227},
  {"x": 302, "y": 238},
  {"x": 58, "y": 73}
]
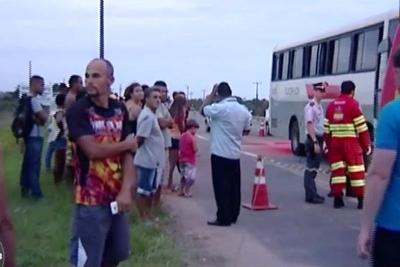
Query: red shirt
[{"x": 186, "y": 150}]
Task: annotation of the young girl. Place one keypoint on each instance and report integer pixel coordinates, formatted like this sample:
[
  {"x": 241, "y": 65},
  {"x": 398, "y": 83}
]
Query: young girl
[{"x": 187, "y": 157}]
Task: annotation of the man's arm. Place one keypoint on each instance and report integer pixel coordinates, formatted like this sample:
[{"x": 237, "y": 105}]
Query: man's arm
[
  {"x": 40, "y": 115},
  {"x": 124, "y": 198},
  {"x": 81, "y": 131},
  {"x": 377, "y": 182},
  {"x": 209, "y": 99},
  {"x": 94, "y": 150},
  {"x": 379, "y": 175},
  {"x": 165, "y": 123}
]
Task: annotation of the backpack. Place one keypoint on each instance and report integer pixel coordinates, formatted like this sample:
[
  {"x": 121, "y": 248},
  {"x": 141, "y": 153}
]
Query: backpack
[{"x": 22, "y": 123}]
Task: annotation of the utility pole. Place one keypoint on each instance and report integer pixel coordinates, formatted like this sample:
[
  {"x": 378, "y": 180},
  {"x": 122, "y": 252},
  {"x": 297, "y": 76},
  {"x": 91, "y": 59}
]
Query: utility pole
[
  {"x": 29, "y": 71},
  {"x": 101, "y": 29},
  {"x": 257, "y": 84},
  {"x": 204, "y": 94},
  {"x": 187, "y": 90}
]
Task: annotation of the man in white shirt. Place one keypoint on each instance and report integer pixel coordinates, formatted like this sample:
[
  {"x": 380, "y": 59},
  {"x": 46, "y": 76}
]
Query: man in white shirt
[
  {"x": 229, "y": 121},
  {"x": 314, "y": 120}
]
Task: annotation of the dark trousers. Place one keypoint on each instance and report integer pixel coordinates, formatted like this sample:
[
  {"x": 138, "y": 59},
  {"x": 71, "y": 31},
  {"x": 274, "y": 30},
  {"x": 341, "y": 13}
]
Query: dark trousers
[
  {"x": 312, "y": 166},
  {"x": 30, "y": 171},
  {"x": 226, "y": 183},
  {"x": 53, "y": 146}
]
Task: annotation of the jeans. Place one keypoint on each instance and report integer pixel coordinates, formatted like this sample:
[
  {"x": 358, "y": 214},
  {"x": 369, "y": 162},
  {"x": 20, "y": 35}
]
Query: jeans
[
  {"x": 30, "y": 171},
  {"x": 60, "y": 143}
]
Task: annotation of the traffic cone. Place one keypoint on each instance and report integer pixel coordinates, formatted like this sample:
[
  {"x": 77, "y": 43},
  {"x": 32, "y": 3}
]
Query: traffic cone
[
  {"x": 261, "y": 131},
  {"x": 259, "y": 199}
]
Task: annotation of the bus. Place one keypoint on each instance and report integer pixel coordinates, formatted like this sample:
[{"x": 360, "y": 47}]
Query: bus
[{"x": 357, "y": 52}]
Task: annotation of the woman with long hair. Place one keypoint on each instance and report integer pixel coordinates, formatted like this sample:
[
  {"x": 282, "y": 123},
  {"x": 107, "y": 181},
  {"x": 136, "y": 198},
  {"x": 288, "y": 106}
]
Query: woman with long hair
[
  {"x": 134, "y": 96},
  {"x": 178, "y": 114}
]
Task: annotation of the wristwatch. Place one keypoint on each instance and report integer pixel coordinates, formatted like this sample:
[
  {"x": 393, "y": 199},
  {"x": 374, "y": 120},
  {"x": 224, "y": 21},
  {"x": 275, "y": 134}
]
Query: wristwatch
[{"x": 315, "y": 142}]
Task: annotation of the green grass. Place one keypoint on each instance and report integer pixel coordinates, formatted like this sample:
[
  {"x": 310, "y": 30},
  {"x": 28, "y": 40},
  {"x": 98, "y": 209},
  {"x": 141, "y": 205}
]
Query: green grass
[{"x": 43, "y": 228}]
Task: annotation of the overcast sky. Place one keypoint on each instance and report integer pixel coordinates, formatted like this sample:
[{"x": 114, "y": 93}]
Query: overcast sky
[{"x": 184, "y": 42}]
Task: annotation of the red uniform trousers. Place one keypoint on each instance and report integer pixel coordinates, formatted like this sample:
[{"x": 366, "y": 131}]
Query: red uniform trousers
[{"x": 346, "y": 159}]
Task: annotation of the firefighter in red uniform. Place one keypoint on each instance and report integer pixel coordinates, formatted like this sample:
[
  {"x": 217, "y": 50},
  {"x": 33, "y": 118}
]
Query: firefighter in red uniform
[{"x": 347, "y": 139}]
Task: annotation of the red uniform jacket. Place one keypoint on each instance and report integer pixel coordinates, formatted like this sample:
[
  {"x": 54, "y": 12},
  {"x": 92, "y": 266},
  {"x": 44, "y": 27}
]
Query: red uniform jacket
[{"x": 345, "y": 121}]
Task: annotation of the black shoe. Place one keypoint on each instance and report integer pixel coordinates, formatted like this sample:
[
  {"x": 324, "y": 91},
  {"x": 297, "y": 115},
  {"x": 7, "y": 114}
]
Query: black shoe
[
  {"x": 217, "y": 223},
  {"x": 318, "y": 196},
  {"x": 330, "y": 194},
  {"x": 338, "y": 203},
  {"x": 360, "y": 203},
  {"x": 315, "y": 200}
]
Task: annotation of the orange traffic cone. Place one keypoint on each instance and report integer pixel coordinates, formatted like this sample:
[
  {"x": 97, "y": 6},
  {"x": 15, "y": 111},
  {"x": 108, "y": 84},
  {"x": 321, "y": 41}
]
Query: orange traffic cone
[
  {"x": 261, "y": 131},
  {"x": 259, "y": 199}
]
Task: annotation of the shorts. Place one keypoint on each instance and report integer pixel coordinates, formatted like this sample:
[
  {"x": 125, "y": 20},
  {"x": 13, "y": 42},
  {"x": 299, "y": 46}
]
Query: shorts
[
  {"x": 386, "y": 246},
  {"x": 98, "y": 237},
  {"x": 147, "y": 181},
  {"x": 174, "y": 144},
  {"x": 188, "y": 172}
]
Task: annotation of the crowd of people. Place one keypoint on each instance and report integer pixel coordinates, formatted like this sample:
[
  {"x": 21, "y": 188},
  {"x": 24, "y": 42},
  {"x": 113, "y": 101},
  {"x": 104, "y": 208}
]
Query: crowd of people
[
  {"x": 120, "y": 150},
  {"x": 113, "y": 150}
]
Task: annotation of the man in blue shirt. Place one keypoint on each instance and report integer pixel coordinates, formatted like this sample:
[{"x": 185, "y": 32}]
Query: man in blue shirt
[
  {"x": 382, "y": 192},
  {"x": 229, "y": 121}
]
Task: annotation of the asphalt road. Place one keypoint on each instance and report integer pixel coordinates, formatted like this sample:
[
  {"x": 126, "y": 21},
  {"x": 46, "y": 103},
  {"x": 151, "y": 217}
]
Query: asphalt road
[{"x": 297, "y": 234}]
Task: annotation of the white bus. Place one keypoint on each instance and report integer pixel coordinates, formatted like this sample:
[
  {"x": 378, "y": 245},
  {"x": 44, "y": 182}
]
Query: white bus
[{"x": 357, "y": 52}]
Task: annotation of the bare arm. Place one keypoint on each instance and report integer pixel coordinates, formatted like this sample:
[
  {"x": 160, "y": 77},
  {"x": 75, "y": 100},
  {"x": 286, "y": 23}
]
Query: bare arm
[
  {"x": 165, "y": 123},
  {"x": 124, "y": 198},
  {"x": 311, "y": 131},
  {"x": 377, "y": 183},
  {"x": 94, "y": 150}
]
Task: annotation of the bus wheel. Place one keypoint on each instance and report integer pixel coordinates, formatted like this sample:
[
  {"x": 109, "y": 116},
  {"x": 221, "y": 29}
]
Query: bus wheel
[{"x": 294, "y": 136}]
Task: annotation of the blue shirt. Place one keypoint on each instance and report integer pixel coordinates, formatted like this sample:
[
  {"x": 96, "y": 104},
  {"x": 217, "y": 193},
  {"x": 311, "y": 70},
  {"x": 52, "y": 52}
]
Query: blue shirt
[
  {"x": 228, "y": 121},
  {"x": 388, "y": 138}
]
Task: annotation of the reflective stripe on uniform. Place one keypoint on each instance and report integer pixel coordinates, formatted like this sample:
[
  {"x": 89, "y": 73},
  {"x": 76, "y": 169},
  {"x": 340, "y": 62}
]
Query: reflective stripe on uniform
[
  {"x": 338, "y": 179},
  {"x": 337, "y": 165},
  {"x": 356, "y": 168},
  {"x": 357, "y": 183},
  {"x": 359, "y": 120},
  {"x": 326, "y": 126},
  {"x": 344, "y": 134},
  {"x": 362, "y": 128},
  {"x": 342, "y": 127}
]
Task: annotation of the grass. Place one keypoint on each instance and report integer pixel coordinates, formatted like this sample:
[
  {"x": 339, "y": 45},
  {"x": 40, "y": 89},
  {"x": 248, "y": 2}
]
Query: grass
[{"x": 43, "y": 228}]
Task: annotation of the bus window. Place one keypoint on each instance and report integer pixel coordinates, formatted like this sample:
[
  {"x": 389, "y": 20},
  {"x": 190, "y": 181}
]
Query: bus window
[
  {"x": 285, "y": 66},
  {"x": 343, "y": 47},
  {"x": 298, "y": 63},
  {"x": 322, "y": 58},
  {"x": 314, "y": 58},
  {"x": 280, "y": 66},
  {"x": 333, "y": 49},
  {"x": 306, "y": 61},
  {"x": 392, "y": 28},
  {"x": 274, "y": 75},
  {"x": 366, "y": 49}
]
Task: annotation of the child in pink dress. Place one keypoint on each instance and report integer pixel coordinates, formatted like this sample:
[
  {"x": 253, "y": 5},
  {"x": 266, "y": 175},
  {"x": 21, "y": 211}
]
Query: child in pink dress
[{"x": 187, "y": 158}]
